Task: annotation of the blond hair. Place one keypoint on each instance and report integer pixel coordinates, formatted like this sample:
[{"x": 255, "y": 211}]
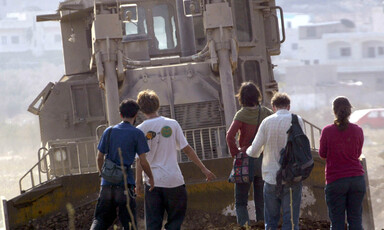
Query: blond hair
[{"x": 148, "y": 101}]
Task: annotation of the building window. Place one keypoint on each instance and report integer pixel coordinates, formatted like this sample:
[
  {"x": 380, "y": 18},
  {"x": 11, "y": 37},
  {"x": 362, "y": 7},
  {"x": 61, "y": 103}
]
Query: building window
[
  {"x": 3, "y": 40},
  {"x": 379, "y": 84},
  {"x": 371, "y": 52},
  {"x": 316, "y": 61},
  {"x": 380, "y": 50},
  {"x": 15, "y": 40},
  {"x": 295, "y": 46},
  {"x": 311, "y": 32},
  {"x": 345, "y": 51},
  {"x": 306, "y": 62},
  {"x": 339, "y": 49},
  {"x": 373, "y": 49},
  {"x": 289, "y": 24}
]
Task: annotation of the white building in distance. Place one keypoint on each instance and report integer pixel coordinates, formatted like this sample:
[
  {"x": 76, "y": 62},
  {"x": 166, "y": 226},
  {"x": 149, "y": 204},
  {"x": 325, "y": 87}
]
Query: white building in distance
[
  {"x": 20, "y": 33},
  {"x": 339, "y": 57}
]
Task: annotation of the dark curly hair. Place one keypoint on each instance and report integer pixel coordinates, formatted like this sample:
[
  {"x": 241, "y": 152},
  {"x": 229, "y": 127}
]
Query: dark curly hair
[{"x": 128, "y": 108}]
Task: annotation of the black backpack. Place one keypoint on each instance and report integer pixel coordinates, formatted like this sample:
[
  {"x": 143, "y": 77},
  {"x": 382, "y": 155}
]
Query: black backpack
[{"x": 295, "y": 158}]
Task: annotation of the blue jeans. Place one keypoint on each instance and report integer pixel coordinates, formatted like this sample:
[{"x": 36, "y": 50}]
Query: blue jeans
[
  {"x": 273, "y": 205},
  {"x": 345, "y": 195},
  {"x": 159, "y": 200},
  {"x": 110, "y": 198},
  {"x": 241, "y": 200}
]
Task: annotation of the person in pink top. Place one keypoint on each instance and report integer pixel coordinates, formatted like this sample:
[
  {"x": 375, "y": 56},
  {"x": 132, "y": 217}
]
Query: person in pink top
[
  {"x": 340, "y": 145},
  {"x": 246, "y": 123}
]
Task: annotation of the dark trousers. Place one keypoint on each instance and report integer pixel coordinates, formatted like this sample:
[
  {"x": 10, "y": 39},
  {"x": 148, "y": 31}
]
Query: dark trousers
[
  {"x": 345, "y": 196},
  {"x": 241, "y": 200},
  {"x": 160, "y": 200},
  {"x": 110, "y": 198}
]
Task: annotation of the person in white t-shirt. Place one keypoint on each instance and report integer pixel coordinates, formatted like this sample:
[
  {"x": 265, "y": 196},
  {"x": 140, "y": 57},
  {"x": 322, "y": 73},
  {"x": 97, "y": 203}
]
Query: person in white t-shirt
[{"x": 165, "y": 137}]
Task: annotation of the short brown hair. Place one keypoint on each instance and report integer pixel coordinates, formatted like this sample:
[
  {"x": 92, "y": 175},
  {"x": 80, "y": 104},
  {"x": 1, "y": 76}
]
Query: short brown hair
[
  {"x": 249, "y": 94},
  {"x": 148, "y": 101},
  {"x": 280, "y": 100}
]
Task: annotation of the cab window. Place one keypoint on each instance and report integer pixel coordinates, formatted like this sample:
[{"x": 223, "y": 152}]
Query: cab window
[
  {"x": 139, "y": 27},
  {"x": 243, "y": 20},
  {"x": 164, "y": 26}
]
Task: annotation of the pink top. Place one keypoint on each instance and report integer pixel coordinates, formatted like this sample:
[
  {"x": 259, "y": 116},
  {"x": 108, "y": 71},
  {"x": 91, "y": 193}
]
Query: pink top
[{"x": 342, "y": 150}]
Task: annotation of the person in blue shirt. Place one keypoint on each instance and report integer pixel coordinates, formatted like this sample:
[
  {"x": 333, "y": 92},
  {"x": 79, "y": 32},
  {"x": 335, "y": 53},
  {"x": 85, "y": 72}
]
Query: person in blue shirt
[{"x": 131, "y": 141}]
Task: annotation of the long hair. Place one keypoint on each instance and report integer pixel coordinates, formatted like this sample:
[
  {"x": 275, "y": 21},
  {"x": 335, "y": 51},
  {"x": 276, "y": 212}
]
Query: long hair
[
  {"x": 342, "y": 110},
  {"x": 249, "y": 94}
]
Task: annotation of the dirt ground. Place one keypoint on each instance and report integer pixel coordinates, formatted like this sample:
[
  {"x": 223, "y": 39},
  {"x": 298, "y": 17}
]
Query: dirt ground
[{"x": 194, "y": 220}]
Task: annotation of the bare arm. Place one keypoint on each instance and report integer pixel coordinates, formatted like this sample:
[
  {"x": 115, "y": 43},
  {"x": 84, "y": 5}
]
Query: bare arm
[
  {"x": 100, "y": 161},
  {"x": 195, "y": 159},
  {"x": 139, "y": 177},
  {"x": 144, "y": 165}
]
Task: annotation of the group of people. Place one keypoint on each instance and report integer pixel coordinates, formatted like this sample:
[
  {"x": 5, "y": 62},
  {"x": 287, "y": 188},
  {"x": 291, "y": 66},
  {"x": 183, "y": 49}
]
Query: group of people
[
  {"x": 155, "y": 142},
  {"x": 261, "y": 134}
]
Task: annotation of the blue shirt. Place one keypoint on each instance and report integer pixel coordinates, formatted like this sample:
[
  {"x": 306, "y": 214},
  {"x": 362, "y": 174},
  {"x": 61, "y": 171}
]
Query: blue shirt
[{"x": 130, "y": 140}]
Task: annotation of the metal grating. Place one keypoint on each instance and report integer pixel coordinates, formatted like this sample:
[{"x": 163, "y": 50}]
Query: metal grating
[
  {"x": 199, "y": 115},
  {"x": 208, "y": 143}
]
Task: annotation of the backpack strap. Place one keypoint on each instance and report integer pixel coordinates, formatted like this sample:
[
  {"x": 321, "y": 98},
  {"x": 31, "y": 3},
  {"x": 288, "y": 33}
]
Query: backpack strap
[
  {"x": 108, "y": 139},
  {"x": 294, "y": 118}
]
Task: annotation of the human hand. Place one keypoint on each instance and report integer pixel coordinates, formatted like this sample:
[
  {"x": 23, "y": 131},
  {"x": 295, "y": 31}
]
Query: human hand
[
  {"x": 208, "y": 174},
  {"x": 243, "y": 149},
  {"x": 151, "y": 184}
]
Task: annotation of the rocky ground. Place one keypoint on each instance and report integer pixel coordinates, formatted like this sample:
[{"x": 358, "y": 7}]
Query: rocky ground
[{"x": 81, "y": 218}]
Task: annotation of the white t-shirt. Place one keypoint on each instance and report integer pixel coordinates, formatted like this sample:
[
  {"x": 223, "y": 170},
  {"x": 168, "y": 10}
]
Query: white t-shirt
[{"x": 165, "y": 137}]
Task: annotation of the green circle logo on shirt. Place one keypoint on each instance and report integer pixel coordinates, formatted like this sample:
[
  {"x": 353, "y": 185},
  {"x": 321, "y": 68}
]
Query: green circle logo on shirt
[{"x": 166, "y": 131}]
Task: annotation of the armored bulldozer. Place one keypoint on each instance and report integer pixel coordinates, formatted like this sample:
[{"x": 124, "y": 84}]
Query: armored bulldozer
[{"x": 193, "y": 53}]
